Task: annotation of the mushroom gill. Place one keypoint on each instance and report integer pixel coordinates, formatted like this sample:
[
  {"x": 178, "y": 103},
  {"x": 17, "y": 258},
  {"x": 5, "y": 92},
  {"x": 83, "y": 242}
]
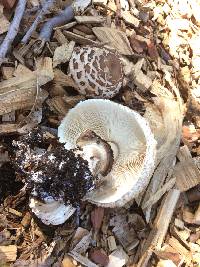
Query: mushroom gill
[
  {"x": 130, "y": 150},
  {"x": 97, "y": 71}
]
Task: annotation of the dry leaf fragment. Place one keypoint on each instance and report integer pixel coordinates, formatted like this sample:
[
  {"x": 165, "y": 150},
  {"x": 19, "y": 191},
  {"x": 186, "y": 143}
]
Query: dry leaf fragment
[
  {"x": 115, "y": 38},
  {"x": 97, "y": 218},
  {"x": 99, "y": 257}
]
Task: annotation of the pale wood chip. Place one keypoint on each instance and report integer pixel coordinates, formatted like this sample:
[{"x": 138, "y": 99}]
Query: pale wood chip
[
  {"x": 22, "y": 70},
  {"x": 83, "y": 260},
  {"x": 44, "y": 70},
  {"x": 153, "y": 199},
  {"x": 8, "y": 253},
  {"x": 115, "y": 38},
  {"x": 79, "y": 39},
  {"x": 4, "y": 22},
  {"x": 111, "y": 243},
  {"x": 7, "y": 72},
  {"x": 63, "y": 53},
  {"x": 186, "y": 172},
  {"x": 89, "y": 19},
  {"x": 118, "y": 258},
  {"x": 130, "y": 19}
]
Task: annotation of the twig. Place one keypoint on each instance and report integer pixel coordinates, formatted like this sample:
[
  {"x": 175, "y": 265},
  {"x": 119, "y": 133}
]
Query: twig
[
  {"x": 63, "y": 17},
  {"x": 13, "y": 29},
  {"x": 41, "y": 13}
]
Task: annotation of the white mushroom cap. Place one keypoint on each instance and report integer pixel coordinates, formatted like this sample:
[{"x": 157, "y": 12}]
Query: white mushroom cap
[
  {"x": 51, "y": 211},
  {"x": 128, "y": 133},
  {"x": 98, "y": 72}
]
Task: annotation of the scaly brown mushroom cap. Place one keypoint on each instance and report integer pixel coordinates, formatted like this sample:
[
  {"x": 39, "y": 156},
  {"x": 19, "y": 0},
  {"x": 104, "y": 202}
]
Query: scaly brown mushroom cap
[{"x": 97, "y": 71}]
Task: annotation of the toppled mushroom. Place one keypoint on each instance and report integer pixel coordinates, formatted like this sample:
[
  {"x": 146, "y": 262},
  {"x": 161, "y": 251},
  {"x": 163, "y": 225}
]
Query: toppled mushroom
[
  {"x": 118, "y": 144},
  {"x": 58, "y": 179},
  {"x": 97, "y": 71}
]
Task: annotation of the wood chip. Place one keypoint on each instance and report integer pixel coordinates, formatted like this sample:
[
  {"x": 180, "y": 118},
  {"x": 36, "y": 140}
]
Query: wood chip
[
  {"x": 60, "y": 78},
  {"x": 57, "y": 105},
  {"x": 100, "y": 2},
  {"x": 8, "y": 253},
  {"x": 178, "y": 223},
  {"x": 186, "y": 173},
  {"x": 7, "y": 72},
  {"x": 79, "y": 234},
  {"x": 176, "y": 245},
  {"x": 45, "y": 72},
  {"x": 89, "y": 19},
  {"x": 165, "y": 255},
  {"x": 59, "y": 36},
  {"x": 83, "y": 260},
  {"x": 79, "y": 39},
  {"x": 97, "y": 218},
  {"x": 115, "y": 38},
  {"x": 142, "y": 81},
  {"x": 130, "y": 19},
  {"x": 99, "y": 257},
  {"x": 67, "y": 262},
  {"x": 14, "y": 212},
  {"x": 9, "y": 117},
  {"x": 63, "y": 53},
  {"x": 111, "y": 243},
  {"x": 118, "y": 258},
  {"x": 22, "y": 70},
  {"x": 165, "y": 214},
  {"x": 159, "y": 193},
  {"x": 165, "y": 263},
  {"x": 4, "y": 22}
]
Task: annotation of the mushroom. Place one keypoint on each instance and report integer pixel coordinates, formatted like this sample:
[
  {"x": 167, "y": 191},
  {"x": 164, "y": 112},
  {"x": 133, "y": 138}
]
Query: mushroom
[
  {"x": 118, "y": 144},
  {"x": 97, "y": 71},
  {"x": 57, "y": 179}
]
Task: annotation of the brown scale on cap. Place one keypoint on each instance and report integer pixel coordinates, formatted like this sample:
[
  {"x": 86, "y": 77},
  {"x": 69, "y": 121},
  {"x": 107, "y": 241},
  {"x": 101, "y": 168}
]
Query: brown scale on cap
[{"x": 97, "y": 71}]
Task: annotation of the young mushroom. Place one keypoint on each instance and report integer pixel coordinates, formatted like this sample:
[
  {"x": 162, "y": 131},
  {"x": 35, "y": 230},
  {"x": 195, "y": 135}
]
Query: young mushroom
[
  {"x": 118, "y": 144},
  {"x": 96, "y": 71}
]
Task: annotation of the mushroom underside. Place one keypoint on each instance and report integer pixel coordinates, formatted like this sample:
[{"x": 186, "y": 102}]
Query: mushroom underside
[{"x": 122, "y": 128}]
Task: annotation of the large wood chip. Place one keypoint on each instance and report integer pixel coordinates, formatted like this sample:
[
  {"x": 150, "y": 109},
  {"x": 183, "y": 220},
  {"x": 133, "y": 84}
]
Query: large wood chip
[
  {"x": 186, "y": 172},
  {"x": 63, "y": 53},
  {"x": 165, "y": 118},
  {"x": 89, "y": 19},
  {"x": 115, "y": 38},
  {"x": 8, "y": 253}
]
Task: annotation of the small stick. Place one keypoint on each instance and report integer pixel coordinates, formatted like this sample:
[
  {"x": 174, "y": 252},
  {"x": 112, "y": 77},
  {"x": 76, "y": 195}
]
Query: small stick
[
  {"x": 63, "y": 17},
  {"x": 13, "y": 29},
  {"x": 41, "y": 13}
]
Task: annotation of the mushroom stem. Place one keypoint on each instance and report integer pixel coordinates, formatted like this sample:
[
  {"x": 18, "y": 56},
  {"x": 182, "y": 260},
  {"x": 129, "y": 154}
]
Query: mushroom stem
[{"x": 97, "y": 152}]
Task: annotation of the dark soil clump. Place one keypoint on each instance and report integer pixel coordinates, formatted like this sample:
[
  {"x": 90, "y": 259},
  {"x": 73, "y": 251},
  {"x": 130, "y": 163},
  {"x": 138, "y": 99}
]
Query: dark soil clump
[
  {"x": 58, "y": 173},
  {"x": 8, "y": 184}
]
